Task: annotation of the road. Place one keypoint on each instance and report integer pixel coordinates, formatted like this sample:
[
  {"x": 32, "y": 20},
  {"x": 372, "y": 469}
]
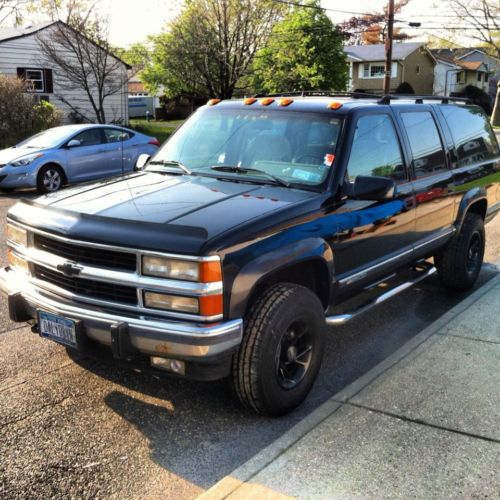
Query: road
[{"x": 79, "y": 427}]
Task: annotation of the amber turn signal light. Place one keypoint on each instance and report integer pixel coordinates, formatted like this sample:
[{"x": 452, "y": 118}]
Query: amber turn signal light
[
  {"x": 210, "y": 271},
  {"x": 210, "y": 305}
]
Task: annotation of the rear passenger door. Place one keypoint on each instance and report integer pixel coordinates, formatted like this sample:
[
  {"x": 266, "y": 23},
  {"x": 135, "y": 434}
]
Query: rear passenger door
[{"x": 433, "y": 180}]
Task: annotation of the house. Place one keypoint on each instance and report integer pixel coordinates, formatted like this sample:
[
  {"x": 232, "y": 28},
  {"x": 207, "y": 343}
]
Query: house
[
  {"x": 21, "y": 56},
  {"x": 411, "y": 63},
  {"x": 458, "y": 67}
]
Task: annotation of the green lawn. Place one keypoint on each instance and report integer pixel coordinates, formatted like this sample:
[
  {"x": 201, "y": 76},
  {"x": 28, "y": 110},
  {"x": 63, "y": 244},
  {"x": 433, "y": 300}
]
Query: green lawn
[{"x": 160, "y": 130}]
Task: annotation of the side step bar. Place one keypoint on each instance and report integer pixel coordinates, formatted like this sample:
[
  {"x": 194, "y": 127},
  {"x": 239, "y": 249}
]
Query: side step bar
[{"x": 341, "y": 319}]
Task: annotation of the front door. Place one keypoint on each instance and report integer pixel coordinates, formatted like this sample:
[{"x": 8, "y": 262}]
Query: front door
[
  {"x": 86, "y": 160},
  {"x": 375, "y": 237}
]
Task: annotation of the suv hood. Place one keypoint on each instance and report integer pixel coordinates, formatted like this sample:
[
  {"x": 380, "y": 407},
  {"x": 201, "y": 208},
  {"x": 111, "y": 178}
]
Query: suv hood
[{"x": 171, "y": 213}]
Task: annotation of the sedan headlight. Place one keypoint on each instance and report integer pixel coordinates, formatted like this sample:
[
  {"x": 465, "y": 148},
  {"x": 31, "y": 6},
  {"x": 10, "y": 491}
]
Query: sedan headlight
[
  {"x": 204, "y": 272},
  {"x": 17, "y": 235},
  {"x": 25, "y": 160}
]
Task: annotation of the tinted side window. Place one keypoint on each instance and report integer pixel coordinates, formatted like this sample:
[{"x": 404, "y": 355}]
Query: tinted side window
[
  {"x": 375, "y": 149},
  {"x": 471, "y": 132},
  {"x": 428, "y": 154},
  {"x": 89, "y": 137}
]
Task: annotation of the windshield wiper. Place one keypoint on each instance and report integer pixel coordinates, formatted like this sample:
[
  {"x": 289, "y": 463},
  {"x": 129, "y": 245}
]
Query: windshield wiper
[
  {"x": 246, "y": 170},
  {"x": 172, "y": 163}
]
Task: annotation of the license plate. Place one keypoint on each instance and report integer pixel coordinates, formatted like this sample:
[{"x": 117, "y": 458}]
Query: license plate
[{"x": 57, "y": 328}]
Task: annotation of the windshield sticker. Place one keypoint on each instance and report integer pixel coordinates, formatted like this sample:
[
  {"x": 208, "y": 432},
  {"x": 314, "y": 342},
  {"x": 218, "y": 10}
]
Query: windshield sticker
[
  {"x": 305, "y": 175},
  {"x": 329, "y": 159}
]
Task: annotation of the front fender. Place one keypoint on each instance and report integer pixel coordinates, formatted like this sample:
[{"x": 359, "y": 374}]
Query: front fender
[{"x": 253, "y": 272}]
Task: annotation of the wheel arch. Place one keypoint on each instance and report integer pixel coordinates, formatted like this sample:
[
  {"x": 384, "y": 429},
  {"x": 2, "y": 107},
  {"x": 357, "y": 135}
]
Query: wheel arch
[
  {"x": 308, "y": 263},
  {"x": 473, "y": 201},
  {"x": 57, "y": 164}
]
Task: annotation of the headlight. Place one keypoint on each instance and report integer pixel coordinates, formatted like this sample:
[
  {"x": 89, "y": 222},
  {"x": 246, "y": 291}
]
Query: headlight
[
  {"x": 204, "y": 272},
  {"x": 17, "y": 262},
  {"x": 171, "y": 302},
  {"x": 207, "y": 305},
  {"x": 17, "y": 235},
  {"x": 25, "y": 160}
]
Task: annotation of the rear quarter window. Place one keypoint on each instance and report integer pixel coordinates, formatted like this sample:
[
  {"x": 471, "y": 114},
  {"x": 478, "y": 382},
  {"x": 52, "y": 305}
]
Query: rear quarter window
[{"x": 472, "y": 134}]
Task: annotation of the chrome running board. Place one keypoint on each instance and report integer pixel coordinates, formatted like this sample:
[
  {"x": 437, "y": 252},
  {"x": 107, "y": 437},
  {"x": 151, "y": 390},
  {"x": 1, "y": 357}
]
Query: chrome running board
[{"x": 341, "y": 319}]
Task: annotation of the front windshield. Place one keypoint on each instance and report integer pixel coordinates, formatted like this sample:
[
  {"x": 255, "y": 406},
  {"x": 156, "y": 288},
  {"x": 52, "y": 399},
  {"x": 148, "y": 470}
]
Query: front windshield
[
  {"x": 293, "y": 147},
  {"x": 48, "y": 139}
]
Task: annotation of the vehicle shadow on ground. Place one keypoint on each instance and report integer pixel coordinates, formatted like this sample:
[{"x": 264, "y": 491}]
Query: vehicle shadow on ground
[{"x": 200, "y": 432}]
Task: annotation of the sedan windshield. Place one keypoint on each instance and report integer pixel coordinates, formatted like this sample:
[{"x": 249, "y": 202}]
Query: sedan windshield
[
  {"x": 281, "y": 147},
  {"x": 47, "y": 139}
]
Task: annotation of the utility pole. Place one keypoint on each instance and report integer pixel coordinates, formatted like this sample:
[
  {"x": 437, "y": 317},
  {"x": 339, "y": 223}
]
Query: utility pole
[{"x": 388, "y": 49}]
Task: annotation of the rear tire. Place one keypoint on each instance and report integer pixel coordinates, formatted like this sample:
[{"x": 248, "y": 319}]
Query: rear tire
[
  {"x": 280, "y": 355},
  {"x": 50, "y": 179},
  {"x": 459, "y": 262}
]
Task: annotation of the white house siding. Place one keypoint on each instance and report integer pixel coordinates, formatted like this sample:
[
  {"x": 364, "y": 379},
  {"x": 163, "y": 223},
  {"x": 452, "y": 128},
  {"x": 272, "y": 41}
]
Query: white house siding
[
  {"x": 25, "y": 52},
  {"x": 443, "y": 84}
]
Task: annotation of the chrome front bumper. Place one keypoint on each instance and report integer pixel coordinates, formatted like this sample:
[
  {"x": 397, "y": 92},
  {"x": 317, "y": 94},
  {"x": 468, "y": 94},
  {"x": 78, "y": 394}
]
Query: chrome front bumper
[{"x": 152, "y": 337}]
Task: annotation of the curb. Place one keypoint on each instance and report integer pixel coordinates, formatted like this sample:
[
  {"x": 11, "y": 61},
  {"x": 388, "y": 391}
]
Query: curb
[{"x": 253, "y": 466}]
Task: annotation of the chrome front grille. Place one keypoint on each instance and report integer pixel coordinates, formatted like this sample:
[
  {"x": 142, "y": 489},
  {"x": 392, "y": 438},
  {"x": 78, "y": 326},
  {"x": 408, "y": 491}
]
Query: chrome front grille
[
  {"x": 110, "y": 292},
  {"x": 103, "y": 275},
  {"x": 99, "y": 257}
]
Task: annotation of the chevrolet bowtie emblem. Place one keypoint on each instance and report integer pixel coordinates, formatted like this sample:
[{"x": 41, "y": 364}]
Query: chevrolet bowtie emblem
[{"x": 69, "y": 269}]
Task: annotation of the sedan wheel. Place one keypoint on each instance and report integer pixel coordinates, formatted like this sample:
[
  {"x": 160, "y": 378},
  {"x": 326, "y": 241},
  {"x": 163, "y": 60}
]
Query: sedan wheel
[{"x": 50, "y": 179}]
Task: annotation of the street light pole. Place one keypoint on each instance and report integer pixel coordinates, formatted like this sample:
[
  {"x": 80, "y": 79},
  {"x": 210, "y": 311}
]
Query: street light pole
[{"x": 388, "y": 49}]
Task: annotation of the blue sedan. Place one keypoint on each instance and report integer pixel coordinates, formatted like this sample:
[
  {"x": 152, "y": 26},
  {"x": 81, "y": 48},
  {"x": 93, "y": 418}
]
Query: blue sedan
[{"x": 70, "y": 154}]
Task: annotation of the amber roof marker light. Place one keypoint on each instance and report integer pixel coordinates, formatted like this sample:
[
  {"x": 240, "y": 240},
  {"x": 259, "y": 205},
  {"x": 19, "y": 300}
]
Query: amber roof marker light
[
  {"x": 213, "y": 102},
  {"x": 267, "y": 101},
  {"x": 334, "y": 105},
  {"x": 249, "y": 100},
  {"x": 286, "y": 101}
]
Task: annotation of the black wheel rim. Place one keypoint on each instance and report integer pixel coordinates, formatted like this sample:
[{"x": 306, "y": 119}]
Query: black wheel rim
[
  {"x": 294, "y": 355},
  {"x": 474, "y": 253}
]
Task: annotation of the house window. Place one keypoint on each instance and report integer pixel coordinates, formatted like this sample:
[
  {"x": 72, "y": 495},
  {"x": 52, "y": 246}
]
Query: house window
[
  {"x": 417, "y": 69},
  {"x": 37, "y": 79},
  {"x": 376, "y": 70},
  {"x": 461, "y": 77},
  {"x": 479, "y": 76},
  {"x": 485, "y": 77}
]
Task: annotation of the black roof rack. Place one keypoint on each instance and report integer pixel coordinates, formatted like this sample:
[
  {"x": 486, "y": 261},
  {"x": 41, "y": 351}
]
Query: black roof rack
[
  {"x": 322, "y": 93},
  {"x": 382, "y": 99},
  {"x": 419, "y": 99}
]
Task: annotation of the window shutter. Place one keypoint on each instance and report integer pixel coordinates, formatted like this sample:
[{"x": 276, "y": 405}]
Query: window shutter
[
  {"x": 21, "y": 73},
  {"x": 48, "y": 82}
]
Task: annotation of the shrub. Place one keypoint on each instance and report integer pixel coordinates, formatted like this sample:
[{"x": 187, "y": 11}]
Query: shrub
[
  {"x": 404, "y": 88},
  {"x": 20, "y": 116}
]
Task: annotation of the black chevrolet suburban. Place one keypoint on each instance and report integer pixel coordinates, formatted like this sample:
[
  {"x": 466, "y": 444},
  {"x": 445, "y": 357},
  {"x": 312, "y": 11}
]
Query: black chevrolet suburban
[{"x": 258, "y": 223}]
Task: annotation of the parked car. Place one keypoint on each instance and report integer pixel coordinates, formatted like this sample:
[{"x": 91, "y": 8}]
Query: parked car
[
  {"x": 252, "y": 229},
  {"x": 71, "y": 154}
]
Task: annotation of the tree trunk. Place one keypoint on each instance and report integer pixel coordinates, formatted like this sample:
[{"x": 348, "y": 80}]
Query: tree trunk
[{"x": 495, "y": 116}]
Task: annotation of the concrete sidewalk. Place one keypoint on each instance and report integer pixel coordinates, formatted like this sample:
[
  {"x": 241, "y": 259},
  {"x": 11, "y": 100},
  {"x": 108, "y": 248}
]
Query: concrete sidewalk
[{"x": 425, "y": 423}]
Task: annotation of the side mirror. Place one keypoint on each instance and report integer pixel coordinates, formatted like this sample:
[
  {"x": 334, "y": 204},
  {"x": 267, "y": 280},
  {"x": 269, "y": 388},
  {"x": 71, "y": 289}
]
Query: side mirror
[
  {"x": 73, "y": 143},
  {"x": 142, "y": 161},
  {"x": 373, "y": 188}
]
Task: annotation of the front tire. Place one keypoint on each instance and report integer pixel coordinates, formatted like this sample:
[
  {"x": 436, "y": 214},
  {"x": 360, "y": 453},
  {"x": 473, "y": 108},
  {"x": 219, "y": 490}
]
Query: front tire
[
  {"x": 459, "y": 262},
  {"x": 280, "y": 355},
  {"x": 50, "y": 179}
]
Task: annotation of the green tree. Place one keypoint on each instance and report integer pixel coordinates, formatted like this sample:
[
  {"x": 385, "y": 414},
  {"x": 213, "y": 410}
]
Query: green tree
[
  {"x": 210, "y": 46},
  {"x": 304, "y": 52}
]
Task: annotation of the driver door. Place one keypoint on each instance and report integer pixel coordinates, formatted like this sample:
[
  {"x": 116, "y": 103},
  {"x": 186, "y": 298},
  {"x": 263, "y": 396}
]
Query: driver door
[{"x": 374, "y": 237}]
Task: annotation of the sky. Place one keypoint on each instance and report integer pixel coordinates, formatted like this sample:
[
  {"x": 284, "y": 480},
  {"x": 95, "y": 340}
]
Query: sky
[{"x": 132, "y": 21}]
